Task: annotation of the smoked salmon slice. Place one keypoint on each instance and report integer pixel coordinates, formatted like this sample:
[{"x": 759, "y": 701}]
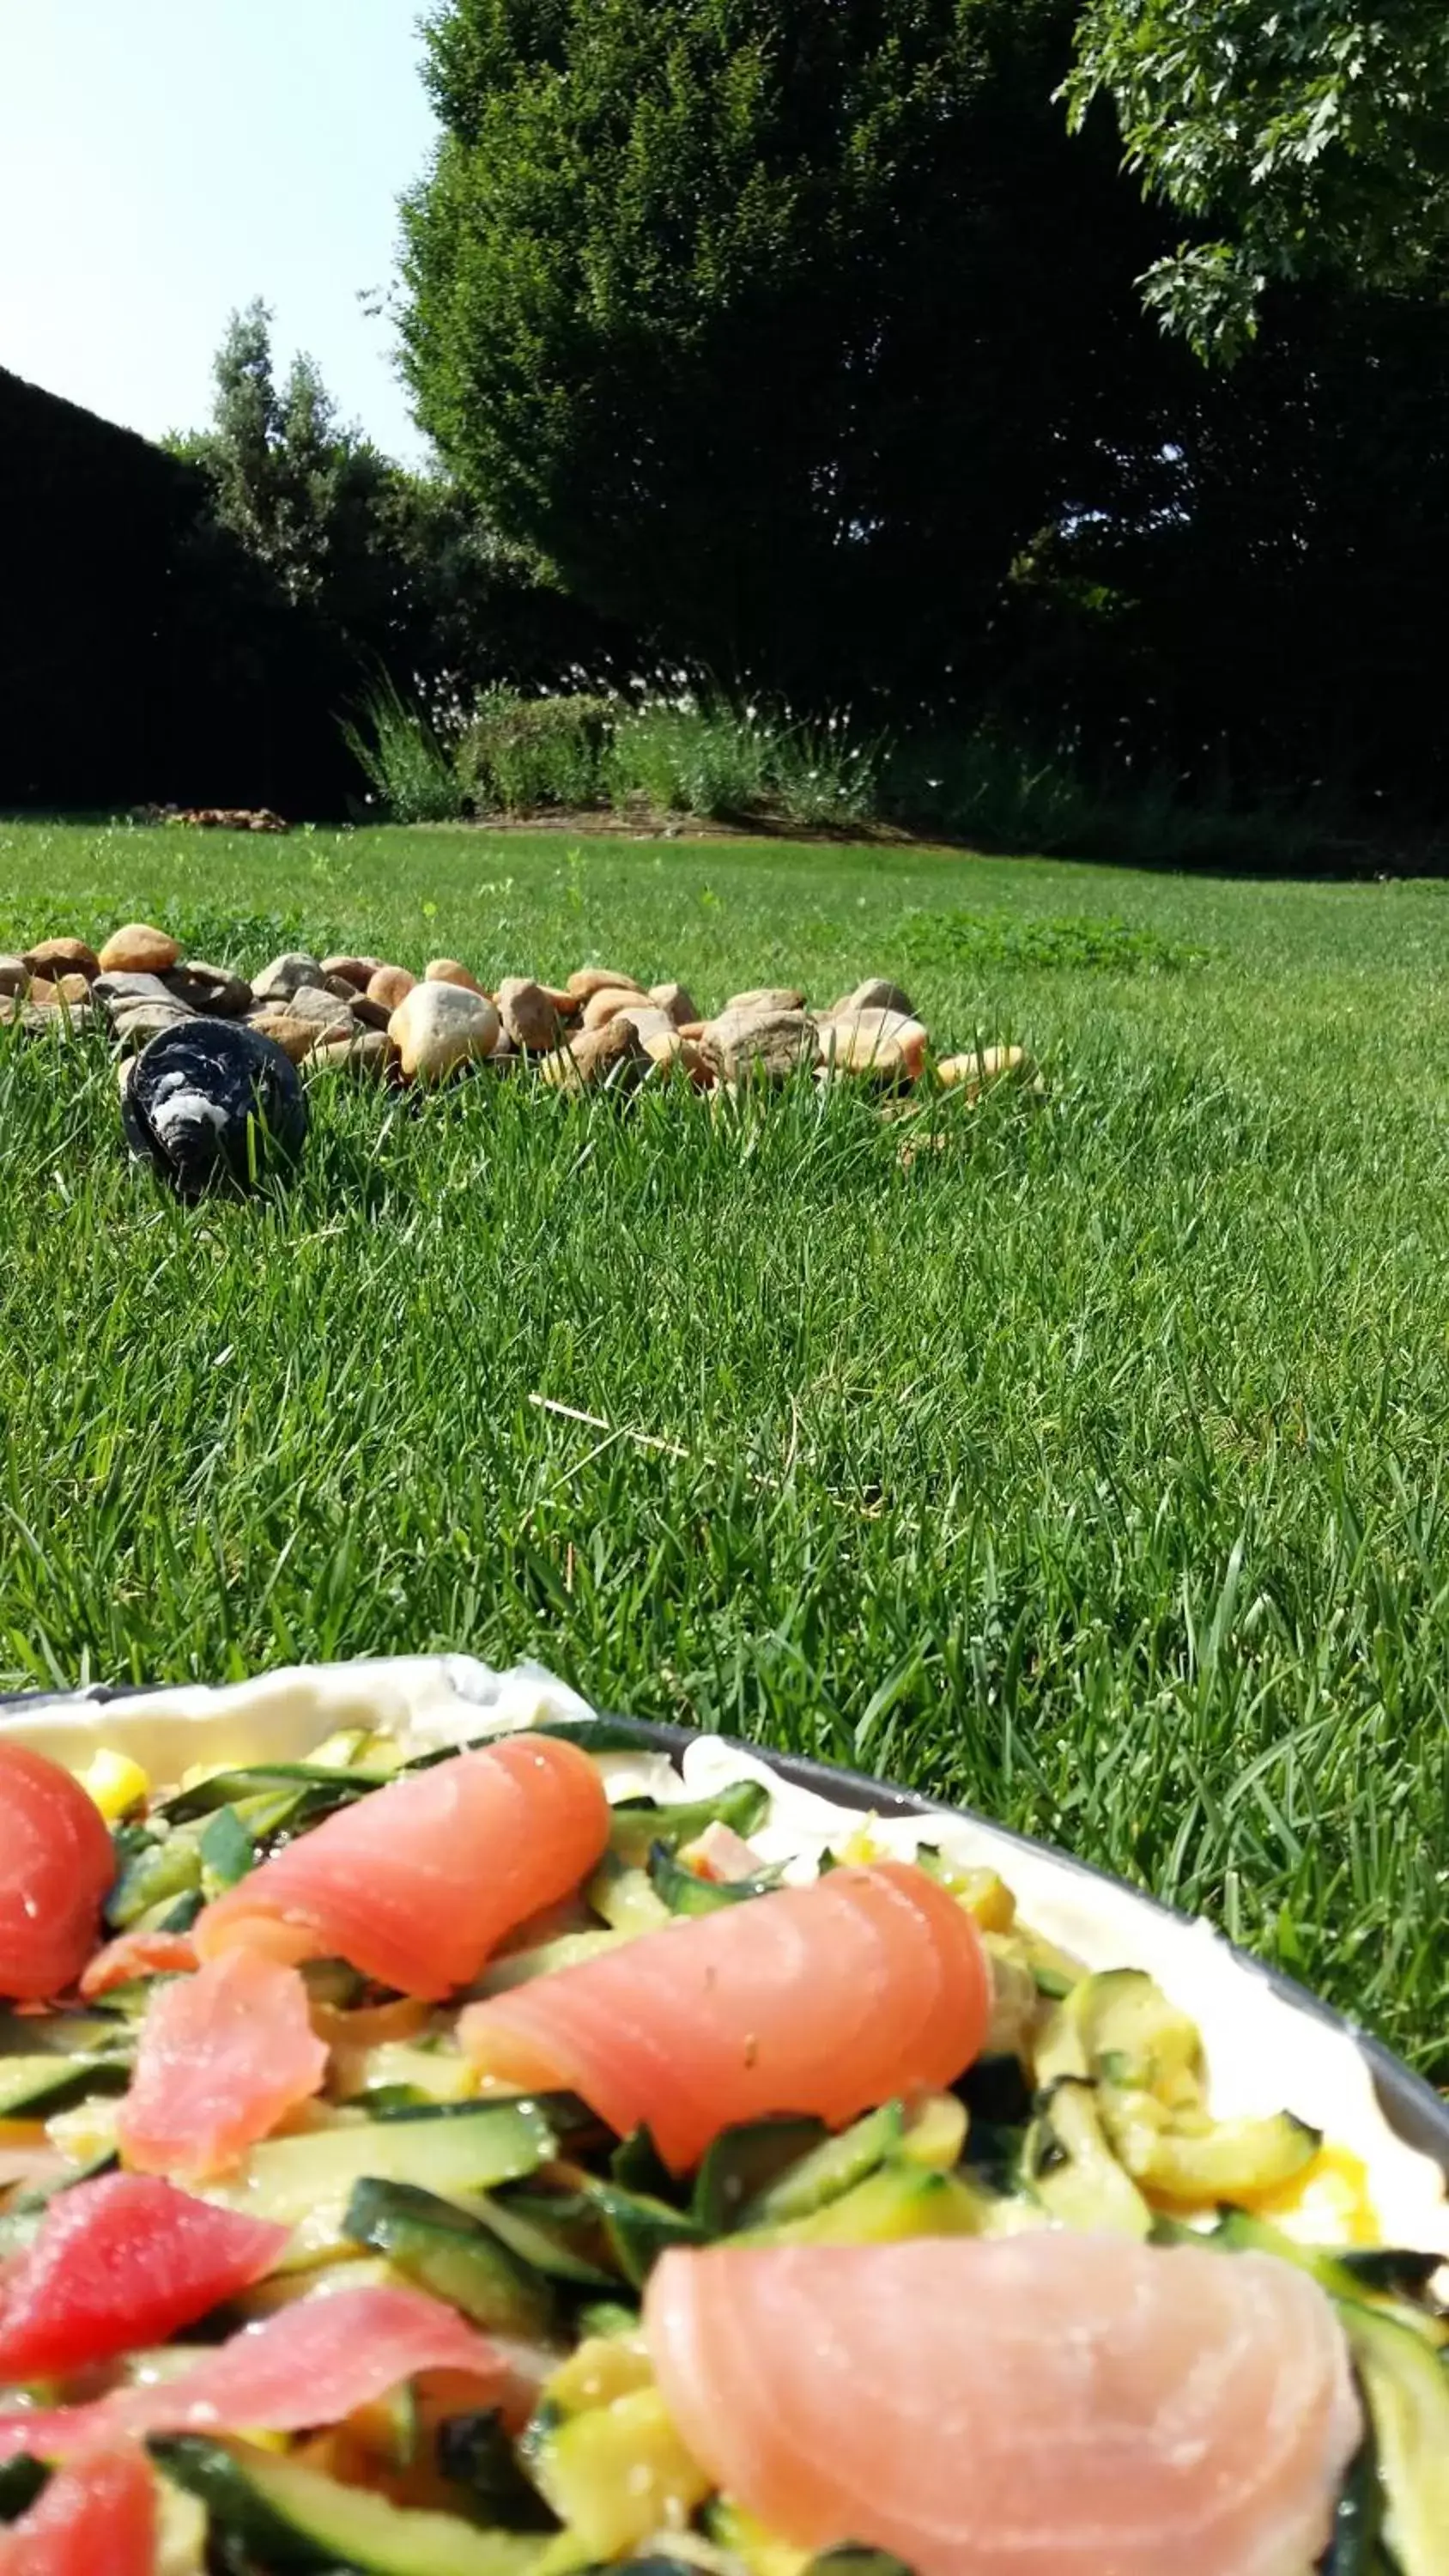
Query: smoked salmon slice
[
  {"x": 310, "y": 2364},
  {"x": 138, "y": 1954},
  {"x": 824, "y": 1999},
  {"x": 223, "y": 2056},
  {"x": 415, "y": 1884},
  {"x": 97, "y": 2518},
  {"x": 119, "y": 2263},
  {"x": 1041, "y": 2405}
]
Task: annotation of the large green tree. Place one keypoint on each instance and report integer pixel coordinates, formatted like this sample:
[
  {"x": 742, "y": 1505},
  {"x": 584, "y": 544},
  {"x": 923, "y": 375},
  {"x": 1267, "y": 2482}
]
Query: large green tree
[
  {"x": 1304, "y": 138},
  {"x": 401, "y": 568},
  {"x": 778, "y": 326}
]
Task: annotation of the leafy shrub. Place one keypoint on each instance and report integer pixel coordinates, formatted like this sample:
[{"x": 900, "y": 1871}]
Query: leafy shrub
[
  {"x": 411, "y": 769},
  {"x": 518, "y": 753},
  {"x": 726, "y": 763}
]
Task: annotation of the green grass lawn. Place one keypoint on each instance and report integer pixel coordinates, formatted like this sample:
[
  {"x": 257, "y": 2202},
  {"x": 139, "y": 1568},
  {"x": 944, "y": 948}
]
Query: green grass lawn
[{"x": 1092, "y": 1468}]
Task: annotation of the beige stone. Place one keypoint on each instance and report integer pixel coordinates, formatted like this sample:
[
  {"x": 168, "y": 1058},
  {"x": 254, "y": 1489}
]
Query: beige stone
[
  {"x": 447, "y": 970},
  {"x": 134, "y": 1020},
  {"x": 675, "y": 1000},
  {"x": 567, "y": 1004},
  {"x": 877, "y": 993},
  {"x": 605, "y": 1005},
  {"x": 357, "y": 971},
  {"x": 609, "y": 1055},
  {"x": 52, "y": 958},
  {"x": 647, "y": 1021},
  {"x": 390, "y": 984},
  {"x": 368, "y": 1013},
  {"x": 14, "y": 975},
  {"x": 763, "y": 1046},
  {"x": 439, "y": 1026},
  {"x": 766, "y": 997},
  {"x": 858, "y": 1040},
  {"x": 692, "y": 1028},
  {"x": 529, "y": 1014},
  {"x": 365, "y": 1053},
  {"x": 670, "y": 1053},
  {"x": 63, "y": 992},
  {"x": 295, "y": 1036},
  {"x": 286, "y": 975},
  {"x": 212, "y": 989},
  {"x": 138, "y": 948},
  {"x": 601, "y": 979},
  {"x": 324, "y": 1010},
  {"x": 884, "y": 1063},
  {"x": 973, "y": 1071}
]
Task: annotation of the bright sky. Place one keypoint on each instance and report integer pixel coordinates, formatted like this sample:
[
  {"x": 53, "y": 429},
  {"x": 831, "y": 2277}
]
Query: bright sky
[{"x": 162, "y": 161}]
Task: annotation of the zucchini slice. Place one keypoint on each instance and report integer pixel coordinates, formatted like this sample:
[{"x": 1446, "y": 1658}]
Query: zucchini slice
[
  {"x": 622, "y": 1895},
  {"x": 617, "y": 2473},
  {"x": 1408, "y": 2398},
  {"x": 557, "y": 2233},
  {"x": 33, "y": 2085},
  {"x": 474, "y": 2454},
  {"x": 638, "y": 1824},
  {"x": 898, "y": 2201},
  {"x": 333, "y": 1788},
  {"x": 520, "y": 1967},
  {"x": 637, "y": 2228},
  {"x": 683, "y": 1891},
  {"x": 829, "y": 2169},
  {"x": 744, "y": 2163},
  {"x": 306, "y": 2182},
  {"x": 453, "y": 2255},
  {"x": 1070, "y": 2168},
  {"x": 295, "y": 2521}
]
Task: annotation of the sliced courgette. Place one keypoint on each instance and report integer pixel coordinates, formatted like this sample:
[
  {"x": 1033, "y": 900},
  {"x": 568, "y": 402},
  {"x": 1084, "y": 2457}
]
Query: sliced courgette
[
  {"x": 1069, "y": 2167},
  {"x": 306, "y": 2182},
  {"x": 832, "y": 2166},
  {"x": 450, "y": 2253},
  {"x": 158, "y": 1870},
  {"x": 1407, "y": 2389},
  {"x": 1358, "y": 2518},
  {"x": 474, "y": 2454},
  {"x": 615, "y": 2474},
  {"x": 900, "y": 2200},
  {"x": 296, "y": 2522},
  {"x": 334, "y": 1788},
  {"x": 638, "y": 2228},
  {"x": 520, "y": 1967},
  {"x": 41, "y": 2085},
  {"x": 227, "y": 1852},
  {"x": 1223, "y": 2160},
  {"x": 623, "y": 1897},
  {"x": 743, "y": 2164},
  {"x": 638, "y": 1824},
  {"x": 683, "y": 1891},
  {"x": 758, "y": 2550},
  {"x": 559, "y": 2233}
]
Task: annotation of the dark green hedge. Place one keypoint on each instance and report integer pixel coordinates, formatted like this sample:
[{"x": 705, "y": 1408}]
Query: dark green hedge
[{"x": 143, "y": 657}]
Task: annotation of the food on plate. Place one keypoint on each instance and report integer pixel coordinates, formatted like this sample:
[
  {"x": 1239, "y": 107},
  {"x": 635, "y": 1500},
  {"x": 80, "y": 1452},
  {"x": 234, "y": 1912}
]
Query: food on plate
[
  {"x": 1048, "y": 2403},
  {"x": 123, "y": 2261},
  {"x": 95, "y": 2517},
  {"x": 510, "y": 2157},
  {"x": 417, "y": 1885},
  {"x": 56, "y": 1868},
  {"x": 223, "y": 2055},
  {"x": 822, "y": 1999}
]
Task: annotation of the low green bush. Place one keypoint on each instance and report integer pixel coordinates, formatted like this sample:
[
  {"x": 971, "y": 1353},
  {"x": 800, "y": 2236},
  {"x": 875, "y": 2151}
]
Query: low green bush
[
  {"x": 520, "y": 754},
  {"x": 411, "y": 768}
]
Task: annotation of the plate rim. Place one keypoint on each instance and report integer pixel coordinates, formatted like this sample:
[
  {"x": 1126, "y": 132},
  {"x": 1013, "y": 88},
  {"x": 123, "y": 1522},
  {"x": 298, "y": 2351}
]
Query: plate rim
[{"x": 1417, "y": 2114}]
